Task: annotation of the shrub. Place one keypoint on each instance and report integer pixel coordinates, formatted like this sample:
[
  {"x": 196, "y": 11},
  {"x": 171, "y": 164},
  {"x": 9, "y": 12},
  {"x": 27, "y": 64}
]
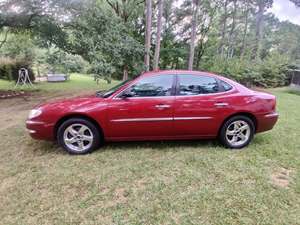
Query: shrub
[
  {"x": 9, "y": 69},
  {"x": 273, "y": 70},
  {"x": 61, "y": 62},
  {"x": 270, "y": 72}
]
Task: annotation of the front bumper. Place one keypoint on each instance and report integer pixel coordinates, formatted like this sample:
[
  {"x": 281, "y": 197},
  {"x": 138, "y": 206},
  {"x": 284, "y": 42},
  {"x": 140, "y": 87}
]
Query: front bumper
[
  {"x": 267, "y": 121},
  {"x": 40, "y": 130}
]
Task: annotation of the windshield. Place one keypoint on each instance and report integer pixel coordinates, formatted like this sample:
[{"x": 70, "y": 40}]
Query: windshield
[{"x": 109, "y": 92}]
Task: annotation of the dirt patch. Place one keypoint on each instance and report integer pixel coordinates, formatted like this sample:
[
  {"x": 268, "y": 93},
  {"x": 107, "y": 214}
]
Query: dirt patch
[
  {"x": 13, "y": 94},
  {"x": 14, "y": 110},
  {"x": 281, "y": 178},
  {"x": 121, "y": 195}
]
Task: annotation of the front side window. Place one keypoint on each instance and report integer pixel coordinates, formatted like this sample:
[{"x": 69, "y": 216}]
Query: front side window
[
  {"x": 160, "y": 85},
  {"x": 197, "y": 85},
  {"x": 111, "y": 91}
]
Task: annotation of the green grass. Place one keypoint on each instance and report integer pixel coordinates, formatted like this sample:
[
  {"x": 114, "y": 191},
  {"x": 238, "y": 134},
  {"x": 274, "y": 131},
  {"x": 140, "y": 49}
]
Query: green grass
[
  {"x": 77, "y": 82},
  {"x": 184, "y": 182},
  {"x": 5, "y": 85}
]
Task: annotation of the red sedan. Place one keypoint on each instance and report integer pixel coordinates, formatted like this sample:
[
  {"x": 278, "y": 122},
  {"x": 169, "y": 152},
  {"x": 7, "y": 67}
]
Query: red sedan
[{"x": 162, "y": 105}]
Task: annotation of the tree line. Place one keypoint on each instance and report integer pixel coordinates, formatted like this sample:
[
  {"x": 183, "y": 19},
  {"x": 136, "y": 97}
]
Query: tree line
[{"x": 240, "y": 39}]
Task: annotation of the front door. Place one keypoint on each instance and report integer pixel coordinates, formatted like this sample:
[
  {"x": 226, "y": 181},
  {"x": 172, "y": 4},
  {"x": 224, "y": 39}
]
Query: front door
[{"x": 146, "y": 111}]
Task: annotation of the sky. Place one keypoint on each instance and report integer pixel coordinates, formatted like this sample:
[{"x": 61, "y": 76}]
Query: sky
[{"x": 286, "y": 10}]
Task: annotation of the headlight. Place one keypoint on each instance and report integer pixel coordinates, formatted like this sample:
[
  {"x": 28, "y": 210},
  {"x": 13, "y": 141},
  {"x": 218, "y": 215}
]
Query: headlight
[{"x": 34, "y": 113}]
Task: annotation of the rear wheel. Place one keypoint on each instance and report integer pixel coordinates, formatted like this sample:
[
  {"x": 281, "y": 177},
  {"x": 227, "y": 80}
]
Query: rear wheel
[
  {"x": 237, "y": 132},
  {"x": 78, "y": 136}
]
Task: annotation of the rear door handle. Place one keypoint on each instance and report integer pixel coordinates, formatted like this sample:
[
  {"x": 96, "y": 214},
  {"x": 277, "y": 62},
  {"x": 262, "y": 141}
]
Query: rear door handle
[
  {"x": 221, "y": 104},
  {"x": 162, "y": 106}
]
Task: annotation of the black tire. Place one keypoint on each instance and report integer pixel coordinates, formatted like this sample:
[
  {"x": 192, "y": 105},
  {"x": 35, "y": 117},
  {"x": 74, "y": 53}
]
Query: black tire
[
  {"x": 222, "y": 134},
  {"x": 96, "y": 140}
]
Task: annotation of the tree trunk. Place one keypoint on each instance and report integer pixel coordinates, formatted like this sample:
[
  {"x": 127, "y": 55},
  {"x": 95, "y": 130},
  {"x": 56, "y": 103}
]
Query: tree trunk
[
  {"x": 245, "y": 29},
  {"x": 193, "y": 34},
  {"x": 38, "y": 70},
  {"x": 148, "y": 33},
  {"x": 232, "y": 30},
  {"x": 223, "y": 32},
  {"x": 200, "y": 54},
  {"x": 259, "y": 29},
  {"x": 4, "y": 39},
  {"x": 158, "y": 34},
  {"x": 125, "y": 72}
]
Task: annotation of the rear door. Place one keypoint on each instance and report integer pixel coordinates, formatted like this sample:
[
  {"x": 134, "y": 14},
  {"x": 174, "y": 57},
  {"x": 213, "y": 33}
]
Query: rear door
[
  {"x": 199, "y": 105},
  {"x": 146, "y": 112}
]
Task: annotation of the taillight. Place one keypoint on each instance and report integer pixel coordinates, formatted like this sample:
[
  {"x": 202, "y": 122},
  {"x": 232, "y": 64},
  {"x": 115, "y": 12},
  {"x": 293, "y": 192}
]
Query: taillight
[
  {"x": 271, "y": 103},
  {"x": 274, "y": 104}
]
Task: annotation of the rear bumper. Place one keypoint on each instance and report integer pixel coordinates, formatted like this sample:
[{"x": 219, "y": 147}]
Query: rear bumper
[
  {"x": 267, "y": 121},
  {"x": 40, "y": 130}
]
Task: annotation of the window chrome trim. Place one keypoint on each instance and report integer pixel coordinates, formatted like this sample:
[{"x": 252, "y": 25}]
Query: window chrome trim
[{"x": 207, "y": 94}]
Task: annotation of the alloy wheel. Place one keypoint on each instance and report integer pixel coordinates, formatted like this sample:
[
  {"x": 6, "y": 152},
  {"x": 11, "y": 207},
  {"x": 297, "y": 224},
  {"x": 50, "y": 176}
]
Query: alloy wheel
[
  {"x": 78, "y": 137},
  {"x": 238, "y": 133}
]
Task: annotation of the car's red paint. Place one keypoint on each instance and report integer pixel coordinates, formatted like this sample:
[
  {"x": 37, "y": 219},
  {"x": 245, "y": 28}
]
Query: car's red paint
[{"x": 186, "y": 117}]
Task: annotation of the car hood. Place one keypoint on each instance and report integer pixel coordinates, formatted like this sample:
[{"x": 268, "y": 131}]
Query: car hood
[{"x": 79, "y": 103}]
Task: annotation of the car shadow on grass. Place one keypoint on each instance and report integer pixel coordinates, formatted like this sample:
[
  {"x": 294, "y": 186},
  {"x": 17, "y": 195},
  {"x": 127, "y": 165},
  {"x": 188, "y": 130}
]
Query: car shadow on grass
[
  {"x": 161, "y": 145},
  {"x": 46, "y": 147}
]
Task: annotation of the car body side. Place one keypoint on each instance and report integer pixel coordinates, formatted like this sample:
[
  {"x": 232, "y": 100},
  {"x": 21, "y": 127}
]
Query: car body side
[{"x": 260, "y": 107}]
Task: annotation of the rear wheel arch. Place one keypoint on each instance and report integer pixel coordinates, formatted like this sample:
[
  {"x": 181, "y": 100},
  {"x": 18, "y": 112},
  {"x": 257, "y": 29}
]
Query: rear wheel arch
[
  {"x": 247, "y": 114},
  {"x": 79, "y": 116}
]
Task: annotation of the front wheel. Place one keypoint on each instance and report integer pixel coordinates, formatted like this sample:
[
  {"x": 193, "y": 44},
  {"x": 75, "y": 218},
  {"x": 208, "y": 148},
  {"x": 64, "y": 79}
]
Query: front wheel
[
  {"x": 78, "y": 136},
  {"x": 237, "y": 132}
]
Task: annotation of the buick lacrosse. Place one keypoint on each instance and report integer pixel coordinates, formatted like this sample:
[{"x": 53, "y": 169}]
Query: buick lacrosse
[{"x": 163, "y": 105}]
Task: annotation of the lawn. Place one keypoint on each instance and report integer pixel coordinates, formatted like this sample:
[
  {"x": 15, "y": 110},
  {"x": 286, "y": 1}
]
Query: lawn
[
  {"x": 77, "y": 82},
  {"x": 184, "y": 182}
]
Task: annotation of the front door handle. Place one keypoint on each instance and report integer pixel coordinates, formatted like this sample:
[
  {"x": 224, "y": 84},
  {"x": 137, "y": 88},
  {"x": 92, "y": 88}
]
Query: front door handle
[
  {"x": 221, "y": 104},
  {"x": 162, "y": 106}
]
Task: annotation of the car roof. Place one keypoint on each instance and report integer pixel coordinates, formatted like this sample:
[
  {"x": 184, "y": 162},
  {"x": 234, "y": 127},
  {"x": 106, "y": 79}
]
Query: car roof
[{"x": 181, "y": 72}]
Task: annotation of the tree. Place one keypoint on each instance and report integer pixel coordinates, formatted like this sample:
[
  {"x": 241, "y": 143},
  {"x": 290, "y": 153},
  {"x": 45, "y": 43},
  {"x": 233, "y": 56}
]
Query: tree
[
  {"x": 208, "y": 10},
  {"x": 103, "y": 40},
  {"x": 126, "y": 10},
  {"x": 247, "y": 6},
  {"x": 193, "y": 34},
  {"x": 262, "y": 6},
  {"x": 20, "y": 15},
  {"x": 158, "y": 34},
  {"x": 231, "y": 37},
  {"x": 237, "y": 38},
  {"x": 223, "y": 22},
  {"x": 173, "y": 52},
  {"x": 148, "y": 13}
]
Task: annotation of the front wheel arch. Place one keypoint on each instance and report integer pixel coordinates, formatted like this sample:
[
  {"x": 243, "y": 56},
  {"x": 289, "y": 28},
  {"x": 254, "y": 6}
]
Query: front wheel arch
[{"x": 79, "y": 116}]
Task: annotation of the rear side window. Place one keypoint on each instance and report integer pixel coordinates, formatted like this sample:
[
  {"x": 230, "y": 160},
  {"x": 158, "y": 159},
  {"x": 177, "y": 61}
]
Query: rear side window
[
  {"x": 225, "y": 86},
  {"x": 197, "y": 84}
]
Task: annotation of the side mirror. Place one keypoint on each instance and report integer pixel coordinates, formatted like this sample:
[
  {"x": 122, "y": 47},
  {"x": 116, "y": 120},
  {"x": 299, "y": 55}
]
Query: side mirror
[{"x": 126, "y": 95}]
